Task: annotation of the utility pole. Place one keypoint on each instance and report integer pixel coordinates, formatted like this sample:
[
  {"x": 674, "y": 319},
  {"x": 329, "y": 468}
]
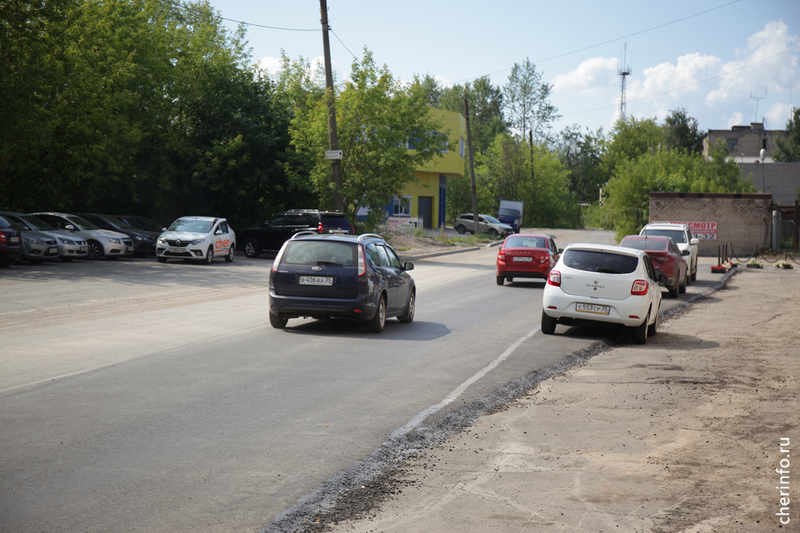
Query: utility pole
[
  {"x": 471, "y": 164},
  {"x": 333, "y": 136}
]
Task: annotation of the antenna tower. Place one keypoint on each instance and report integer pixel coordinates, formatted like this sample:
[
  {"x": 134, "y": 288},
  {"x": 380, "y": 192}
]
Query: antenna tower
[
  {"x": 623, "y": 72},
  {"x": 758, "y": 99}
]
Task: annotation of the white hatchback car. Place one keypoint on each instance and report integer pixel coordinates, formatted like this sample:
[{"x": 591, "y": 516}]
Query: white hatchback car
[
  {"x": 682, "y": 236},
  {"x": 197, "y": 238},
  {"x": 607, "y": 286}
]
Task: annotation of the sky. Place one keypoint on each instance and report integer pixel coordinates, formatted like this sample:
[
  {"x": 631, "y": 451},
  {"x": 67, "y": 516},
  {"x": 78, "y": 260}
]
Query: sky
[{"x": 726, "y": 62}]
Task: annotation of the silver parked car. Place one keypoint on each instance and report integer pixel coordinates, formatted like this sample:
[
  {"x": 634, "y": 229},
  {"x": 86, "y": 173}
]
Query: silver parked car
[
  {"x": 101, "y": 242},
  {"x": 69, "y": 246}
]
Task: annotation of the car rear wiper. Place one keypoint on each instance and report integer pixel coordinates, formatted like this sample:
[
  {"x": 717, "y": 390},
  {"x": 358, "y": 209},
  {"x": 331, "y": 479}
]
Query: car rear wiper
[{"x": 607, "y": 270}]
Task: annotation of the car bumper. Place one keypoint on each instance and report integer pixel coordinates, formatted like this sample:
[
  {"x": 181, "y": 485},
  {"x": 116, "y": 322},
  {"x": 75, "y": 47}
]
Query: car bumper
[
  {"x": 40, "y": 252},
  {"x": 562, "y": 306},
  {"x": 196, "y": 253},
  {"x": 295, "y": 306},
  {"x": 118, "y": 250},
  {"x": 519, "y": 271}
]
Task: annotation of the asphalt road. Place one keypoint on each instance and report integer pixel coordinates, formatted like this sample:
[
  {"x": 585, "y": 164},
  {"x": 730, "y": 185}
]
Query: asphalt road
[{"x": 156, "y": 397}]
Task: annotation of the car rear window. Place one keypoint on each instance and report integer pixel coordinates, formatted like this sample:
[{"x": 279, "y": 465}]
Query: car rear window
[
  {"x": 336, "y": 221},
  {"x": 525, "y": 242},
  {"x": 597, "y": 261},
  {"x": 645, "y": 244},
  {"x": 317, "y": 252},
  {"x": 676, "y": 234}
]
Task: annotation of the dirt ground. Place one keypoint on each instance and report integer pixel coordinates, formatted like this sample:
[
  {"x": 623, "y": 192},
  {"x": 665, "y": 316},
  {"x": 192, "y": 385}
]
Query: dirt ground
[{"x": 688, "y": 433}]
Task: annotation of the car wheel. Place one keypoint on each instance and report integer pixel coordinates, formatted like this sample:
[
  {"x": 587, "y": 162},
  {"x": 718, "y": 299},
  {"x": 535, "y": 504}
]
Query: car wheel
[
  {"x": 209, "y": 258},
  {"x": 501, "y": 280},
  {"x": 682, "y": 286},
  {"x": 694, "y": 272},
  {"x": 548, "y": 324},
  {"x": 376, "y": 323},
  {"x": 673, "y": 292},
  {"x": 461, "y": 230},
  {"x": 652, "y": 329},
  {"x": 231, "y": 254},
  {"x": 408, "y": 314},
  {"x": 492, "y": 232},
  {"x": 277, "y": 321},
  {"x": 640, "y": 332},
  {"x": 251, "y": 248},
  {"x": 95, "y": 250}
]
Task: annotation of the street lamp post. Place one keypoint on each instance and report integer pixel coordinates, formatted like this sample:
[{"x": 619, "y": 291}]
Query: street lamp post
[{"x": 763, "y": 155}]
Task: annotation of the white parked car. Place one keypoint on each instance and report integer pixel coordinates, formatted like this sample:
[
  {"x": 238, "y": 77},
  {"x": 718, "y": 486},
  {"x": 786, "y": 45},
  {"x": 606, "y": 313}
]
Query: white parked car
[
  {"x": 606, "y": 286},
  {"x": 197, "y": 238},
  {"x": 99, "y": 242},
  {"x": 682, "y": 236}
]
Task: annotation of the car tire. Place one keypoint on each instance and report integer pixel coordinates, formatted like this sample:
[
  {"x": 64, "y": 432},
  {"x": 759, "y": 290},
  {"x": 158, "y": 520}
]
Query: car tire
[
  {"x": 694, "y": 272},
  {"x": 682, "y": 286},
  {"x": 408, "y": 315},
  {"x": 673, "y": 292},
  {"x": 277, "y": 321},
  {"x": 640, "y": 332},
  {"x": 95, "y": 250},
  {"x": 501, "y": 280},
  {"x": 209, "y": 258},
  {"x": 492, "y": 232},
  {"x": 376, "y": 323},
  {"x": 548, "y": 324},
  {"x": 162, "y": 259},
  {"x": 231, "y": 254},
  {"x": 652, "y": 329},
  {"x": 251, "y": 248},
  {"x": 461, "y": 230}
]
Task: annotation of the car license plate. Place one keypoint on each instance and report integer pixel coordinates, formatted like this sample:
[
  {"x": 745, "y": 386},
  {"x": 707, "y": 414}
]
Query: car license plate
[
  {"x": 14, "y": 239},
  {"x": 524, "y": 259},
  {"x": 592, "y": 308},
  {"x": 316, "y": 280},
  {"x": 53, "y": 250},
  {"x": 175, "y": 250},
  {"x": 83, "y": 249}
]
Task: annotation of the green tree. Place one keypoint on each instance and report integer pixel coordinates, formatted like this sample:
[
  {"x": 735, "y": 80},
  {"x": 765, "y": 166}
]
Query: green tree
[
  {"x": 485, "y": 109},
  {"x": 527, "y": 101},
  {"x": 378, "y": 121},
  {"x": 789, "y": 148},
  {"x": 681, "y": 132},
  {"x": 582, "y": 156},
  {"x": 433, "y": 89}
]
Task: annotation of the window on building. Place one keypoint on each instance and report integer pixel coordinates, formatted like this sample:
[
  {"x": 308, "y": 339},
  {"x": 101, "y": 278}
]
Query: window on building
[
  {"x": 732, "y": 144},
  {"x": 402, "y": 206}
]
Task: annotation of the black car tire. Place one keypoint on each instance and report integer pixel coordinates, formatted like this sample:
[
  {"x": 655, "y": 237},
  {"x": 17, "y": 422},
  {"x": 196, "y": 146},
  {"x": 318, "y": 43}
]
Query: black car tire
[
  {"x": 277, "y": 321},
  {"x": 501, "y": 280},
  {"x": 209, "y": 258},
  {"x": 652, "y": 329},
  {"x": 461, "y": 229},
  {"x": 640, "y": 332},
  {"x": 694, "y": 272},
  {"x": 251, "y": 248},
  {"x": 162, "y": 259},
  {"x": 231, "y": 254},
  {"x": 95, "y": 250},
  {"x": 408, "y": 314},
  {"x": 376, "y": 323},
  {"x": 548, "y": 324},
  {"x": 492, "y": 232},
  {"x": 682, "y": 287}
]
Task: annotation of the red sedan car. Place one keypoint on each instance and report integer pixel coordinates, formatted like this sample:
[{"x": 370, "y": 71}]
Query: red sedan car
[
  {"x": 665, "y": 256},
  {"x": 526, "y": 255}
]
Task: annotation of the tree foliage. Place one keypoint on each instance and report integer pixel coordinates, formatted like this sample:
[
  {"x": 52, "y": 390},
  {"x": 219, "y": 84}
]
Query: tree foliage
[
  {"x": 681, "y": 132},
  {"x": 527, "y": 102},
  {"x": 485, "y": 110},
  {"x": 789, "y": 148},
  {"x": 582, "y": 156}
]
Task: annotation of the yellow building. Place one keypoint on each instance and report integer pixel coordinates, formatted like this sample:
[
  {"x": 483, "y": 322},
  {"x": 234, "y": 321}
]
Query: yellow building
[{"x": 424, "y": 199}]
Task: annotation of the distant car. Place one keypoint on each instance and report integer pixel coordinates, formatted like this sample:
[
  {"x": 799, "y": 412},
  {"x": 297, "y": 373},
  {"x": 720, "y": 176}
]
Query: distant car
[
  {"x": 148, "y": 225},
  {"x": 665, "y": 258},
  {"x": 603, "y": 286},
  {"x": 510, "y": 216},
  {"x": 345, "y": 276},
  {"x": 682, "y": 236},
  {"x": 270, "y": 235},
  {"x": 143, "y": 243},
  {"x": 10, "y": 243},
  {"x": 36, "y": 246},
  {"x": 100, "y": 242},
  {"x": 526, "y": 255},
  {"x": 465, "y": 223},
  {"x": 69, "y": 246},
  {"x": 197, "y": 238}
]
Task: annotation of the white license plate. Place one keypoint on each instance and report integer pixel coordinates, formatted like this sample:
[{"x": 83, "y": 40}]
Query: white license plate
[
  {"x": 524, "y": 259},
  {"x": 14, "y": 239},
  {"x": 592, "y": 308},
  {"x": 316, "y": 280},
  {"x": 83, "y": 249},
  {"x": 175, "y": 250},
  {"x": 52, "y": 250}
]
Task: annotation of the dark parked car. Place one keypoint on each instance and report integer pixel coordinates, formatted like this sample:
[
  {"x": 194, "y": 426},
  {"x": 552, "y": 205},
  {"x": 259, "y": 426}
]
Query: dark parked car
[
  {"x": 143, "y": 242},
  {"x": 665, "y": 257},
  {"x": 347, "y": 276},
  {"x": 148, "y": 225},
  {"x": 270, "y": 236},
  {"x": 10, "y": 243}
]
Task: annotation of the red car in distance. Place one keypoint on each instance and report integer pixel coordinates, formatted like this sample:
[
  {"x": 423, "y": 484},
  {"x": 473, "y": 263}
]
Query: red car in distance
[
  {"x": 526, "y": 255},
  {"x": 665, "y": 256}
]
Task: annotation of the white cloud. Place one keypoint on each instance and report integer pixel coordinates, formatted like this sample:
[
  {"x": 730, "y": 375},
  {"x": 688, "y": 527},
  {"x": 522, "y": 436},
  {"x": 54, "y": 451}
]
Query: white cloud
[
  {"x": 591, "y": 76},
  {"x": 269, "y": 64}
]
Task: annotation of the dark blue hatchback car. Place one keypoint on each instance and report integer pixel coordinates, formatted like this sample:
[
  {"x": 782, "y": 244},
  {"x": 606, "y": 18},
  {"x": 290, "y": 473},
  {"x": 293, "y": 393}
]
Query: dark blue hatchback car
[{"x": 347, "y": 276}]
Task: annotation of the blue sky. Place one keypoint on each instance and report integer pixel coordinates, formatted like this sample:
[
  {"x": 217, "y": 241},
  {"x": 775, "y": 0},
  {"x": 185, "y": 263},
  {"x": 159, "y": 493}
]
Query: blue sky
[{"x": 721, "y": 60}]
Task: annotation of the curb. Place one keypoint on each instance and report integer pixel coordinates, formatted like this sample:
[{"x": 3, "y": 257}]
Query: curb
[{"x": 426, "y": 255}]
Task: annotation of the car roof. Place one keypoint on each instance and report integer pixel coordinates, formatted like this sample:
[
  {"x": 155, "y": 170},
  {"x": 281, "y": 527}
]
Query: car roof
[
  {"x": 542, "y": 235},
  {"x": 313, "y": 236},
  {"x": 646, "y": 238},
  {"x": 604, "y": 248},
  {"x": 192, "y": 217},
  {"x": 665, "y": 225}
]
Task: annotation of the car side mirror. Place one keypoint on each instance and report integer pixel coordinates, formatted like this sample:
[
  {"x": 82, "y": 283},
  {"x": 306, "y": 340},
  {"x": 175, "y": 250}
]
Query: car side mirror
[
  {"x": 69, "y": 227},
  {"x": 163, "y": 229},
  {"x": 694, "y": 241},
  {"x": 662, "y": 278},
  {"x": 560, "y": 250},
  {"x": 686, "y": 252},
  {"x": 408, "y": 265}
]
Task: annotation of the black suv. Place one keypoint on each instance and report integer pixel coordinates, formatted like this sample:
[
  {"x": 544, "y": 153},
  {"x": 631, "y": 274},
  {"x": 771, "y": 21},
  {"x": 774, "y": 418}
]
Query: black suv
[
  {"x": 347, "y": 276},
  {"x": 270, "y": 236}
]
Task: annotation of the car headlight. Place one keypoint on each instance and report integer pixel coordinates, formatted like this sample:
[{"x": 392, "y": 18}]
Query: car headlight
[
  {"x": 113, "y": 240},
  {"x": 32, "y": 240},
  {"x": 198, "y": 241},
  {"x": 162, "y": 240},
  {"x": 62, "y": 240}
]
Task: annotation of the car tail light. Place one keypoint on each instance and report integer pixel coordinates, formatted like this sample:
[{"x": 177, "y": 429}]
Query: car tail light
[
  {"x": 2, "y": 238},
  {"x": 320, "y": 228},
  {"x": 501, "y": 255},
  {"x": 640, "y": 287},
  {"x": 544, "y": 258},
  {"x": 554, "y": 278},
  {"x": 361, "y": 265}
]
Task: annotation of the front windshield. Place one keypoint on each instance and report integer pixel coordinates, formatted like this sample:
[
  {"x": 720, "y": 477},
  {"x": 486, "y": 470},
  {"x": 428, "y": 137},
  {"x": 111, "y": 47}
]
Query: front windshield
[
  {"x": 192, "y": 225},
  {"x": 113, "y": 222},
  {"x": 132, "y": 223},
  {"x": 491, "y": 219},
  {"x": 36, "y": 223},
  {"x": 677, "y": 235},
  {"x": 80, "y": 223}
]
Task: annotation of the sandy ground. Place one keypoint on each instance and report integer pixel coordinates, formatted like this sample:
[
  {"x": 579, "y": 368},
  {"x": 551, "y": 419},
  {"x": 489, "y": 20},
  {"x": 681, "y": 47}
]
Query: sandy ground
[{"x": 683, "y": 434}]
